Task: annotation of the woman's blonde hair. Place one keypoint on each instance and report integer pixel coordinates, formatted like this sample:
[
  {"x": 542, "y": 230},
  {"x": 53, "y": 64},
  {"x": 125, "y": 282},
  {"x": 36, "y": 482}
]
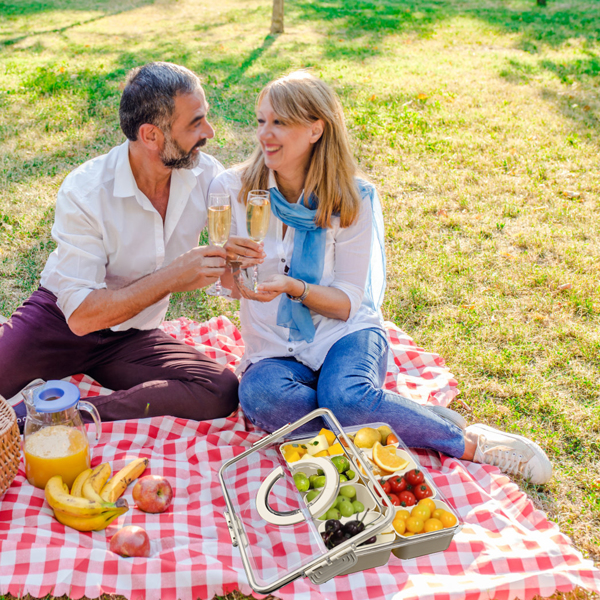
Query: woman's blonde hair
[{"x": 301, "y": 98}]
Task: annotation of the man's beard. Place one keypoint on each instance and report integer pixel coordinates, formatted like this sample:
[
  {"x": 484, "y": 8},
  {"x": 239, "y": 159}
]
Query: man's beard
[{"x": 173, "y": 156}]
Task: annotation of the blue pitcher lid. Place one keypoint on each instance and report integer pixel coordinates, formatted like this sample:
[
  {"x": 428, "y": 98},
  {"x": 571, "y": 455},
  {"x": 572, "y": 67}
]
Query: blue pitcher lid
[{"x": 55, "y": 395}]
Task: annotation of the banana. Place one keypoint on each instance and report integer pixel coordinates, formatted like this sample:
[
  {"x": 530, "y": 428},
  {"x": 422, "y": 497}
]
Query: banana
[
  {"x": 66, "y": 488},
  {"x": 78, "y": 507},
  {"x": 96, "y": 523},
  {"x": 94, "y": 483},
  {"x": 77, "y": 489},
  {"x": 118, "y": 484}
]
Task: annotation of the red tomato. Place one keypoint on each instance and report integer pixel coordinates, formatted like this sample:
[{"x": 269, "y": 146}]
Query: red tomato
[
  {"x": 394, "y": 499},
  {"x": 398, "y": 484},
  {"x": 414, "y": 477},
  {"x": 422, "y": 491},
  {"x": 407, "y": 499},
  {"x": 386, "y": 486}
]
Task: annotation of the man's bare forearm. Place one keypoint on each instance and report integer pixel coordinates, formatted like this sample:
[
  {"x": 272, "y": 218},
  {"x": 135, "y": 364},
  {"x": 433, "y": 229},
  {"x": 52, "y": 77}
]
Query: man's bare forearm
[
  {"x": 106, "y": 308},
  {"x": 193, "y": 270}
]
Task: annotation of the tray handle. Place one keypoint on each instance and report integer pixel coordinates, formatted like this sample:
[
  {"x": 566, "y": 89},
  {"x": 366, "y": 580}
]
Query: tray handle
[{"x": 320, "y": 505}]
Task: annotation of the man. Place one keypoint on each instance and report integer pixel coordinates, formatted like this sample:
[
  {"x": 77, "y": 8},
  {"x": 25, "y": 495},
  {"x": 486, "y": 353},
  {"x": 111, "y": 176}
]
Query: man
[{"x": 127, "y": 227}]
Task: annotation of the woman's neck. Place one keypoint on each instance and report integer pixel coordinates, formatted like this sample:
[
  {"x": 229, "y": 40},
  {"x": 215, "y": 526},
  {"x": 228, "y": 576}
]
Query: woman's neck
[{"x": 290, "y": 187}]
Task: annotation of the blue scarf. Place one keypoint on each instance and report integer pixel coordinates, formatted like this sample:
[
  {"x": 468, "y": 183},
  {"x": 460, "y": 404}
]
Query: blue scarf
[
  {"x": 308, "y": 257},
  {"x": 307, "y": 262}
]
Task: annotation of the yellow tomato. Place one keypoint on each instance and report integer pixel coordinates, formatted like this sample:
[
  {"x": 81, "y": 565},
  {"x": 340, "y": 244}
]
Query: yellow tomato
[
  {"x": 414, "y": 525},
  {"x": 420, "y": 512},
  {"x": 429, "y": 503},
  {"x": 437, "y": 513},
  {"x": 402, "y": 514},
  {"x": 433, "y": 525},
  {"x": 448, "y": 520},
  {"x": 399, "y": 526},
  {"x": 408, "y": 533}
]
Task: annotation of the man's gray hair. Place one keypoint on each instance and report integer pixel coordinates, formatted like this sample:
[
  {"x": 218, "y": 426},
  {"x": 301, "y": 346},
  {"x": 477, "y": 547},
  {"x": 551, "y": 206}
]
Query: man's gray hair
[{"x": 149, "y": 95}]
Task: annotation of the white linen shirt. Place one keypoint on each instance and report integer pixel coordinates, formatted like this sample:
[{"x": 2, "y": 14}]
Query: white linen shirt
[
  {"x": 109, "y": 235},
  {"x": 346, "y": 264}
]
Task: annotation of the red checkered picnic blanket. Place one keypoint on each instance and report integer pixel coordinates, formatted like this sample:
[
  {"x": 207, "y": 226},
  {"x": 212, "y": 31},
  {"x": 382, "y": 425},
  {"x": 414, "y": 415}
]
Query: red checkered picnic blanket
[{"x": 506, "y": 549}]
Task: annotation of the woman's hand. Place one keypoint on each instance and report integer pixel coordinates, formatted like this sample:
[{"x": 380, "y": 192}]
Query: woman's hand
[
  {"x": 244, "y": 251},
  {"x": 270, "y": 288}
]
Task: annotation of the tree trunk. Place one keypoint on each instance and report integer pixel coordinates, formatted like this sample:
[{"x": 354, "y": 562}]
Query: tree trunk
[{"x": 277, "y": 19}]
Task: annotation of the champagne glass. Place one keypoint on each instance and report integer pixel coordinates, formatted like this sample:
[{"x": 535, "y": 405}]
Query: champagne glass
[
  {"x": 219, "y": 224},
  {"x": 258, "y": 213}
]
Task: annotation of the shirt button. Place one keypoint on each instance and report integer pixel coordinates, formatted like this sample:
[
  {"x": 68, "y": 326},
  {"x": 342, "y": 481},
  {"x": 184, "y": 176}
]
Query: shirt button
[
  {"x": 283, "y": 260},
  {"x": 290, "y": 349}
]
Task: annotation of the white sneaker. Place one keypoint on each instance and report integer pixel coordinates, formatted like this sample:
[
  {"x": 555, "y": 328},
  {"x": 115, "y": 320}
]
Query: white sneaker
[{"x": 512, "y": 453}]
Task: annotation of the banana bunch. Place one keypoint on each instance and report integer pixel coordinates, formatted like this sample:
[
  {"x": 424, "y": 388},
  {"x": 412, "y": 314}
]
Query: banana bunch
[{"x": 94, "y": 502}]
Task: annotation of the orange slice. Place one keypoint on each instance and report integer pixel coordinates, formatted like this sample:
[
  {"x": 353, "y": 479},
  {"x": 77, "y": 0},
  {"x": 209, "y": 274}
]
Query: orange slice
[{"x": 385, "y": 458}]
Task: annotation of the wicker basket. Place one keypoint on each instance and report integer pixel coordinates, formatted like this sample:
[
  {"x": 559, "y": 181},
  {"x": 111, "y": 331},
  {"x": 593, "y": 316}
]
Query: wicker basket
[{"x": 10, "y": 445}]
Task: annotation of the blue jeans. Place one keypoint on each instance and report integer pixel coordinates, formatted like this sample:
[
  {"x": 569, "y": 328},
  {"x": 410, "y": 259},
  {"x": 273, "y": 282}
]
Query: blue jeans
[{"x": 277, "y": 391}]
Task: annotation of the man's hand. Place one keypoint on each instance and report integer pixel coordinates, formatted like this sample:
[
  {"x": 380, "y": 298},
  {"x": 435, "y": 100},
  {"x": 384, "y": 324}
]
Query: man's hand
[{"x": 197, "y": 268}]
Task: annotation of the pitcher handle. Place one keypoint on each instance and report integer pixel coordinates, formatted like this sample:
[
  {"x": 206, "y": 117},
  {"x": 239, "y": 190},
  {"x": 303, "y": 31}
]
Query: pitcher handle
[{"x": 90, "y": 408}]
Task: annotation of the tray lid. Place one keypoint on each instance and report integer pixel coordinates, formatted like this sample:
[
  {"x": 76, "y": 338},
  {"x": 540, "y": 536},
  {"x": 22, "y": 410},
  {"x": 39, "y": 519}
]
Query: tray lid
[{"x": 275, "y": 529}]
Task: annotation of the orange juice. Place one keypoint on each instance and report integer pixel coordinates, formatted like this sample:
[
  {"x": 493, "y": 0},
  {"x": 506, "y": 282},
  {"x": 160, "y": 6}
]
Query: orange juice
[{"x": 56, "y": 450}]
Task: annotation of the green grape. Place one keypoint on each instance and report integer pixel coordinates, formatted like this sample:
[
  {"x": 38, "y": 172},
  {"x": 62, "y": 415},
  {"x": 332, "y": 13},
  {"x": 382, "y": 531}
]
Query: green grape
[
  {"x": 343, "y": 478},
  {"x": 358, "y": 506},
  {"x": 349, "y": 491},
  {"x": 333, "y": 513},
  {"x": 346, "y": 509},
  {"x": 312, "y": 495},
  {"x": 350, "y": 474}
]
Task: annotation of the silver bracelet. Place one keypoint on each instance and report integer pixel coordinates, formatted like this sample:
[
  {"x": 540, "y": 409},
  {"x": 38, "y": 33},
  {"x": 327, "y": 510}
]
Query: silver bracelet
[{"x": 303, "y": 295}]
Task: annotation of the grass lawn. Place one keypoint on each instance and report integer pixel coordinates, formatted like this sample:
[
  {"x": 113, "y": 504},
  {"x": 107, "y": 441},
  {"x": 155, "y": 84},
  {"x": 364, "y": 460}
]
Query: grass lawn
[{"x": 478, "y": 120}]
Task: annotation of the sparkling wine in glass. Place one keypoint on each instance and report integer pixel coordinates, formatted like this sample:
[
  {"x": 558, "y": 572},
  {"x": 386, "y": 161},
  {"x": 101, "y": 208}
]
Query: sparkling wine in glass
[
  {"x": 258, "y": 213},
  {"x": 219, "y": 223}
]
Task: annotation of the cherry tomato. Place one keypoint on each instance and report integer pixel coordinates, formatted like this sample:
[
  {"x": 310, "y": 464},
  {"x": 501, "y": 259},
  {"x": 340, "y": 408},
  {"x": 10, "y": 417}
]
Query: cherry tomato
[
  {"x": 386, "y": 486},
  {"x": 407, "y": 498},
  {"x": 394, "y": 499},
  {"x": 422, "y": 491},
  {"x": 398, "y": 484},
  {"x": 414, "y": 477}
]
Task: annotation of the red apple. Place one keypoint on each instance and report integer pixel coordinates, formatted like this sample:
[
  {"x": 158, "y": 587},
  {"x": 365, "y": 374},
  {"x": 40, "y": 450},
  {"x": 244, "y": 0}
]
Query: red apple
[
  {"x": 130, "y": 541},
  {"x": 153, "y": 494}
]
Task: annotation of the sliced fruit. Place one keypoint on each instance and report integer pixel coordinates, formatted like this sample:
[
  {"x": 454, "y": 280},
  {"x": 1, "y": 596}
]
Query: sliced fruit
[
  {"x": 335, "y": 449},
  {"x": 329, "y": 435},
  {"x": 317, "y": 444},
  {"x": 385, "y": 458},
  {"x": 321, "y": 454}
]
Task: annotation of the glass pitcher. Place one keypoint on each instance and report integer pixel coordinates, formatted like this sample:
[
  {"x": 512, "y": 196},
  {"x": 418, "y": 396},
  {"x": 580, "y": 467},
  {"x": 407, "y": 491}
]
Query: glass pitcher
[{"x": 55, "y": 441}]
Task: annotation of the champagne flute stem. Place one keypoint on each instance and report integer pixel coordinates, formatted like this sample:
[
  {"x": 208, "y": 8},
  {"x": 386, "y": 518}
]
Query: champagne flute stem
[
  {"x": 255, "y": 278},
  {"x": 218, "y": 289}
]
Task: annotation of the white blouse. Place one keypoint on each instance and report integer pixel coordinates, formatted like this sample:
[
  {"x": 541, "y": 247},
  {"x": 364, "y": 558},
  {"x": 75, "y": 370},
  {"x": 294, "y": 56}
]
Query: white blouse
[{"x": 346, "y": 265}]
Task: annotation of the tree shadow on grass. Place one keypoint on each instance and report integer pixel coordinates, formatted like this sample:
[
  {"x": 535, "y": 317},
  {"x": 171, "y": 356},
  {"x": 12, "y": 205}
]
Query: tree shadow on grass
[{"x": 360, "y": 26}]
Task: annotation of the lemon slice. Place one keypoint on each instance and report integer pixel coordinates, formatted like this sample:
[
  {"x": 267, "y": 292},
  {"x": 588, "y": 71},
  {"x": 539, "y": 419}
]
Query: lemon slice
[{"x": 385, "y": 458}]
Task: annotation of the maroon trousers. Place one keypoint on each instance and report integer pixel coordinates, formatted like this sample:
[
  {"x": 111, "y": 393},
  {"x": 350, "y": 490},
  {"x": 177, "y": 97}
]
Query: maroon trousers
[{"x": 152, "y": 373}]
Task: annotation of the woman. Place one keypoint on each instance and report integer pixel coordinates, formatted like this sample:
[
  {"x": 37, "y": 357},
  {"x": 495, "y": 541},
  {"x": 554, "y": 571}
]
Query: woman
[{"x": 313, "y": 330}]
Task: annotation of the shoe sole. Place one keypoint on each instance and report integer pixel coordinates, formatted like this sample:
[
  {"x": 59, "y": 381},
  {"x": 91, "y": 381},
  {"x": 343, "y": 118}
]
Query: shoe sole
[
  {"x": 449, "y": 415},
  {"x": 536, "y": 449}
]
